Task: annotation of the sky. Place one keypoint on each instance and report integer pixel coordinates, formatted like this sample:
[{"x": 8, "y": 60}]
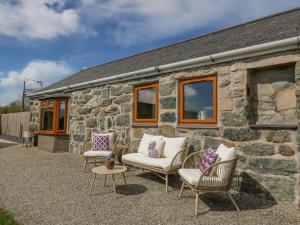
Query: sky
[{"x": 48, "y": 40}]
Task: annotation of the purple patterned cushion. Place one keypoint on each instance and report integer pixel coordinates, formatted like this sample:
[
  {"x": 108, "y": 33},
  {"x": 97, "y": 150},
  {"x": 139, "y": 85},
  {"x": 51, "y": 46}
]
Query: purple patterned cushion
[
  {"x": 100, "y": 142},
  {"x": 152, "y": 150},
  {"x": 209, "y": 158}
]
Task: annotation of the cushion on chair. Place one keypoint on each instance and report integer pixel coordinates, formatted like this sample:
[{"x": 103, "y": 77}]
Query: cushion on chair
[
  {"x": 147, "y": 138},
  {"x": 97, "y": 154},
  {"x": 192, "y": 177},
  {"x": 173, "y": 146},
  {"x": 100, "y": 142},
  {"x": 140, "y": 158},
  {"x": 224, "y": 153},
  {"x": 209, "y": 158}
]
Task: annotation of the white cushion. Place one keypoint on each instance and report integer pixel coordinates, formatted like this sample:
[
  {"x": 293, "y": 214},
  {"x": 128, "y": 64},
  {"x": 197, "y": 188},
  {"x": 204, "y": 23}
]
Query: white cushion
[
  {"x": 172, "y": 146},
  {"x": 192, "y": 177},
  {"x": 163, "y": 163},
  {"x": 147, "y": 138},
  {"x": 224, "y": 153},
  {"x": 97, "y": 153}
]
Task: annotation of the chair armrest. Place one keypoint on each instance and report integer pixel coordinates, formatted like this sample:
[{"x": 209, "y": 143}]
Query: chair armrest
[
  {"x": 126, "y": 147},
  {"x": 85, "y": 145},
  {"x": 192, "y": 155},
  {"x": 216, "y": 165},
  {"x": 178, "y": 154}
]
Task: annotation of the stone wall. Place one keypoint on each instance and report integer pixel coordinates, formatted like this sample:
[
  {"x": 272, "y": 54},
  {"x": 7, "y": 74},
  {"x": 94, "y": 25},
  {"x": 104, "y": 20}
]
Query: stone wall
[
  {"x": 272, "y": 95},
  {"x": 269, "y": 156},
  {"x": 35, "y": 113}
]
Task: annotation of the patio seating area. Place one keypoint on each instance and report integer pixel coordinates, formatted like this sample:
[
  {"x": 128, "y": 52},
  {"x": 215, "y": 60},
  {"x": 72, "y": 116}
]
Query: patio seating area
[{"x": 39, "y": 187}]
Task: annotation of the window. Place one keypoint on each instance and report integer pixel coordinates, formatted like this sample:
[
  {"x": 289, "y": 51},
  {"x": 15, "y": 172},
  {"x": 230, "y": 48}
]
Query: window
[
  {"x": 146, "y": 104},
  {"x": 198, "y": 101},
  {"x": 53, "y": 116}
]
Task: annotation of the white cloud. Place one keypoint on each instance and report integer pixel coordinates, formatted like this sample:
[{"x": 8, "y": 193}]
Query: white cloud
[
  {"x": 189, "y": 91},
  {"x": 127, "y": 22},
  {"x": 36, "y": 20},
  {"x": 44, "y": 70},
  {"x": 132, "y": 21}
]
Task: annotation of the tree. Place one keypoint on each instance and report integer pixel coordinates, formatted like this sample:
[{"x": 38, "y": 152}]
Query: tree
[{"x": 13, "y": 107}]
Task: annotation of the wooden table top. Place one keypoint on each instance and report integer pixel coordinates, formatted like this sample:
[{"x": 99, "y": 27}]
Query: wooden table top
[{"x": 104, "y": 171}]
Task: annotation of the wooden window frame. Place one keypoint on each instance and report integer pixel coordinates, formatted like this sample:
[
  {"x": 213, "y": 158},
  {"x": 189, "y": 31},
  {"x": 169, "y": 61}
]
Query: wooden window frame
[
  {"x": 137, "y": 88},
  {"x": 183, "y": 82},
  {"x": 56, "y": 109}
]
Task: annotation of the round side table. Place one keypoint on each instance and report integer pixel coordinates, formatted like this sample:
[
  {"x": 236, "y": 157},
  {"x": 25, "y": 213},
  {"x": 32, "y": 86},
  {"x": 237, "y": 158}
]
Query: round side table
[{"x": 102, "y": 170}]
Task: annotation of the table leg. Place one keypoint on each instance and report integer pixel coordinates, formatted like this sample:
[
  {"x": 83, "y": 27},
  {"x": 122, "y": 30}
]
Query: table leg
[
  {"x": 105, "y": 180},
  {"x": 114, "y": 185},
  {"x": 123, "y": 174},
  {"x": 92, "y": 184}
]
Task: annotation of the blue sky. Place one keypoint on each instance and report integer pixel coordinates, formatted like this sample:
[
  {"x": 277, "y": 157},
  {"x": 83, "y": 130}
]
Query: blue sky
[{"x": 50, "y": 39}]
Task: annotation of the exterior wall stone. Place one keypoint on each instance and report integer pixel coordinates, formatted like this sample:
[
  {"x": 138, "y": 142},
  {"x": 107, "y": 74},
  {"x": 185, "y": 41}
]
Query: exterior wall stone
[{"x": 269, "y": 157}]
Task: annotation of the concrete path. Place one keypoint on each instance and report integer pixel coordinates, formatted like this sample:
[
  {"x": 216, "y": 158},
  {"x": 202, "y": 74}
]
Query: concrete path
[{"x": 41, "y": 188}]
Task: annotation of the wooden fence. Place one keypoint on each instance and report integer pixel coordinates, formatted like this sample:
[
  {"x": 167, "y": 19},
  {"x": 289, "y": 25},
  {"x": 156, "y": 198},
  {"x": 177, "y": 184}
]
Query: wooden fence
[{"x": 13, "y": 124}]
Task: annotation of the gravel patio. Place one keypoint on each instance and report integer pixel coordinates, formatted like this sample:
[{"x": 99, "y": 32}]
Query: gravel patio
[{"x": 38, "y": 187}]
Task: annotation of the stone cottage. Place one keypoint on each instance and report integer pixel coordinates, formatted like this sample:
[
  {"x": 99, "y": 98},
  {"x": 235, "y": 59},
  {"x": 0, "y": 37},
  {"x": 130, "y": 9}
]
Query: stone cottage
[{"x": 239, "y": 86}]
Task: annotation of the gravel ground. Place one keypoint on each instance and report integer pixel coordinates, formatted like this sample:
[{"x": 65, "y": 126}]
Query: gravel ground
[{"x": 44, "y": 188}]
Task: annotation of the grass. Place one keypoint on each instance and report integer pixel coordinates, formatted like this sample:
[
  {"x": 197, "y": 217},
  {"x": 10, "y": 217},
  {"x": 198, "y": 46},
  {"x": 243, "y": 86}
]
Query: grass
[{"x": 6, "y": 218}]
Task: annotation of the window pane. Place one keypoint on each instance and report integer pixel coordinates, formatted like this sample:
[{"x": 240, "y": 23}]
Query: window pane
[
  {"x": 198, "y": 101},
  {"x": 146, "y": 104},
  {"x": 61, "y": 123},
  {"x": 47, "y": 120}
]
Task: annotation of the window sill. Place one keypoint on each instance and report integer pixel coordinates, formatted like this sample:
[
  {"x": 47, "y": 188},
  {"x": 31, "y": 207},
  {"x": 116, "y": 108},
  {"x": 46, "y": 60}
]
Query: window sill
[
  {"x": 144, "y": 125},
  {"x": 50, "y": 133},
  {"x": 198, "y": 126},
  {"x": 274, "y": 126}
]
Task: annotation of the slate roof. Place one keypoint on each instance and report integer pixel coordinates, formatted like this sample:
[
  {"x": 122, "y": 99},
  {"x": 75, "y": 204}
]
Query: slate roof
[{"x": 271, "y": 28}]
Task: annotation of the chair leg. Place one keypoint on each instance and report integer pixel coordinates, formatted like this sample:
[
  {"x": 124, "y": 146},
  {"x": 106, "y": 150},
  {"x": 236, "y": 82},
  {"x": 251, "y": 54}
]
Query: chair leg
[
  {"x": 196, "y": 203},
  {"x": 167, "y": 182},
  {"x": 84, "y": 166},
  {"x": 181, "y": 190},
  {"x": 233, "y": 201}
]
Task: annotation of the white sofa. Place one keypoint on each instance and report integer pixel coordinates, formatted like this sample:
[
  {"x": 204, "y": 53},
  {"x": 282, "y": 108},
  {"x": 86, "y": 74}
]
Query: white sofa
[{"x": 172, "y": 153}]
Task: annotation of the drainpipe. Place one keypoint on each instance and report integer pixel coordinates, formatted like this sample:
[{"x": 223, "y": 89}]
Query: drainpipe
[{"x": 255, "y": 50}]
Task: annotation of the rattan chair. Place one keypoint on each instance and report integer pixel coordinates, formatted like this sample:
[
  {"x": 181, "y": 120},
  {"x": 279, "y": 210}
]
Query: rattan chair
[
  {"x": 192, "y": 177},
  {"x": 95, "y": 157}
]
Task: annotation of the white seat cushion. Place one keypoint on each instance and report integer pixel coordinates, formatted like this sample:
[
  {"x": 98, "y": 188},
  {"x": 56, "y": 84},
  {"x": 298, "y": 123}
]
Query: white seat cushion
[
  {"x": 192, "y": 177},
  {"x": 173, "y": 146},
  {"x": 147, "y": 138},
  {"x": 140, "y": 158},
  {"x": 97, "y": 153}
]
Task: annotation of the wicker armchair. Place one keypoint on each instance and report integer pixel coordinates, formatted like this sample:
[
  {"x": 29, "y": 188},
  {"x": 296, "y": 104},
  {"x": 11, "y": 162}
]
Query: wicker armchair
[
  {"x": 162, "y": 171},
  {"x": 220, "y": 181},
  {"x": 94, "y": 157}
]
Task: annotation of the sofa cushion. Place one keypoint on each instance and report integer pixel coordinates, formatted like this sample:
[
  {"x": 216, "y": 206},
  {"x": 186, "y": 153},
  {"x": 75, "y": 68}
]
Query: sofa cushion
[
  {"x": 155, "y": 149},
  {"x": 97, "y": 153},
  {"x": 147, "y": 138},
  {"x": 140, "y": 158},
  {"x": 192, "y": 177},
  {"x": 172, "y": 146}
]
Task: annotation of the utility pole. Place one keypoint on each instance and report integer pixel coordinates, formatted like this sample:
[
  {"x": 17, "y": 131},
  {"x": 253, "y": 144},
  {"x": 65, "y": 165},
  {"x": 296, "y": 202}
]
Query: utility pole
[
  {"x": 23, "y": 95},
  {"x": 26, "y": 90}
]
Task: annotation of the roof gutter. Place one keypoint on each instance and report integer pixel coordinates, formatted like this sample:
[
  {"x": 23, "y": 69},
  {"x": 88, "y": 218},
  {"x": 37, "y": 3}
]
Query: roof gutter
[{"x": 255, "y": 50}]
